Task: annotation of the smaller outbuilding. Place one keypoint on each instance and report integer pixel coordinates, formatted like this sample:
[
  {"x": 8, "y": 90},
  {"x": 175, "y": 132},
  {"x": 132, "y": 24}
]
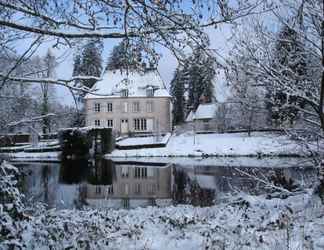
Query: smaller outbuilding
[{"x": 213, "y": 117}]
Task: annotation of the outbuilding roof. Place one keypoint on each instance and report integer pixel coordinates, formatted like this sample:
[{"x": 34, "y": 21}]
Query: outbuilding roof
[
  {"x": 205, "y": 111},
  {"x": 137, "y": 83}
]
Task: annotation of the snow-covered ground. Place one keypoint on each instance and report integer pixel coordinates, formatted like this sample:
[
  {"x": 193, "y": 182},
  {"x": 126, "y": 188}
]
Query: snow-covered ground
[
  {"x": 135, "y": 141},
  {"x": 236, "y": 144},
  {"x": 244, "y": 222}
]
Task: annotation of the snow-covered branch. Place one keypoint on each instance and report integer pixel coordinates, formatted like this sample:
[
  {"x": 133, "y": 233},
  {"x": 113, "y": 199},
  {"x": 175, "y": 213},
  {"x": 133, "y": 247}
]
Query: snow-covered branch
[{"x": 69, "y": 83}]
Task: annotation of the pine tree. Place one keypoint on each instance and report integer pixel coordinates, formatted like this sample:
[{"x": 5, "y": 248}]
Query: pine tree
[
  {"x": 201, "y": 73},
  {"x": 91, "y": 61},
  {"x": 87, "y": 62},
  {"x": 289, "y": 65},
  {"x": 49, "y": 62},
  {"x": 124, "y": 56},
  {"x": 177, "y": 92}
]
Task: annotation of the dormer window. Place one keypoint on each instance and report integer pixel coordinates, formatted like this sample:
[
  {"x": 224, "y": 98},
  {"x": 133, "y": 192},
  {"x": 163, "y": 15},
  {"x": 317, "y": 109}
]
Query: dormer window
[
  {"x": 124, "y": 92},
  {"x": 150, "y": 92}
]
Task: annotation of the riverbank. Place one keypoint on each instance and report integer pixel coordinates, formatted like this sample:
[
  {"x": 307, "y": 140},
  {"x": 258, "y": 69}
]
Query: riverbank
[
  {"x": 246, "y": 222},
  {"x": 32, "y": 156},
  {"x": 219, "y": 145}
]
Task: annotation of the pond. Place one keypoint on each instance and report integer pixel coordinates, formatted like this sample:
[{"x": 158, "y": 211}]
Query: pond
[{"x": 131, "y": 183}]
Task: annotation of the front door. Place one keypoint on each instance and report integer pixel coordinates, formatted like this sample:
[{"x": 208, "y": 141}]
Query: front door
[{"x": 124, "y": 126}]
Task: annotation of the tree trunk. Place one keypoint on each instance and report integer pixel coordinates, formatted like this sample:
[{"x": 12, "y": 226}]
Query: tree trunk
[{"x": 321, "y": 112}]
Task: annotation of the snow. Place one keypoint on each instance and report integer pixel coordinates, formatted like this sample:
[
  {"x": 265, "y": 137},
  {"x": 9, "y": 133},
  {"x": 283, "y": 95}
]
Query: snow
[
  {"x": 243, "y": 222},
  {"x": 190, "y": 117},
  {"x": 24, "y": 156},
  {"x": 136, "y": 82},
  {"x": 231, "y": 144},
  {"x": 239, "y": 221},
  {"x": 205, "y": 111},
  {"x": 241, "y": 162},
  {"x": 134, "y": 141}
]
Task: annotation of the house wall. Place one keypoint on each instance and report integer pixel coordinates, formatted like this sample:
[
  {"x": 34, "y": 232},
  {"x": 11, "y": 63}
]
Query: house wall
[{"x": 160, "y": 114}]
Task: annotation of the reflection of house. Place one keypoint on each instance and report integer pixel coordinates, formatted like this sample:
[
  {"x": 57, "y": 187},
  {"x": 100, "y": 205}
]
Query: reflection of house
[
  {"x": 134, "y": 182},
  {"x": 133, "y": 102}
]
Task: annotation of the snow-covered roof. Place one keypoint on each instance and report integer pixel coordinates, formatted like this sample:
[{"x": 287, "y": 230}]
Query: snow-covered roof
[
  {"x": 205, "y": 111},
  {"x": 137, "y": 83},
  {"x": 190, "y": 116}
]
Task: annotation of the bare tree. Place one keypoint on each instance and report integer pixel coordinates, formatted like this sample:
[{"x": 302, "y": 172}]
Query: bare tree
[
  {"x": 256, "y": 49},
  {"x": 177, "y": 25}
]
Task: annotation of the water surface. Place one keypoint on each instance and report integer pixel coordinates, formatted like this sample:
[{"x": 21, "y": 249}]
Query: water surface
[{"x": 131, "y": 183}]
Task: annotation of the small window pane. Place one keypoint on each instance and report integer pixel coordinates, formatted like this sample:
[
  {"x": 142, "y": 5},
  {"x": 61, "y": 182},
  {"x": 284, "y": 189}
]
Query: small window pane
[{"x": 97, "y": 107}]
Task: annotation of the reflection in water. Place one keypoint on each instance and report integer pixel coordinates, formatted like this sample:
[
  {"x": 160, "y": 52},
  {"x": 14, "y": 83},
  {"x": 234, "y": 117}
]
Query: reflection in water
[
  {"x": 103, "y": 183},
  {"x": 131, "y": 185}
]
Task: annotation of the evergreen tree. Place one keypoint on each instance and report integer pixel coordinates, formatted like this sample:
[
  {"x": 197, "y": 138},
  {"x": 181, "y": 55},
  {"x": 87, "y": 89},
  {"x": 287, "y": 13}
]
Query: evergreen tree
[
  {"x": 87, "y": 62},
  {"x": 91, "y": 61},
  {"x": 201, "y": 73},
  {"x": 177, "y": 92},
  {"x": 49, "y": 62},
  {"x": 77, "y": 65},
  {"x": 124, "y": 56},
  {"x": 289, "y": 65}
]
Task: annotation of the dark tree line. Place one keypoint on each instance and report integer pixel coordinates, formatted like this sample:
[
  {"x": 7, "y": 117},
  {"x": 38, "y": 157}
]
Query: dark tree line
[
  {"x": 289, "y": 61},
  {"x": 192, "y": 84}
]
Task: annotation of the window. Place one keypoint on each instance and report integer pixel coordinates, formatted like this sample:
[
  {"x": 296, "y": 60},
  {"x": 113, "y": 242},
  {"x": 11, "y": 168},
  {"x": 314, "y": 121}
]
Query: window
[
  {"x": 110, "y": 123},
  {"x": 140, "y": 124},
  {"x": 151, "y": 188},
  {"x": 137, "y": 188},
  {"x": 98, "y": 190},
  {"x": 140, "y": 172},
  {"x": 124, "y": 92},
  {"x": 125, "y": 107},
  {"x": 149, "y": 92},
  {"x": 149, "y": 107},
  {"x": 109, "y": 107},
  {"x": 110, "y": 189},
  {"x": 125, "y": 172},
  {"x": 97, "y": 107},
  {"x": 136, "y": 107},
  {"x": 97, "y": 123}
]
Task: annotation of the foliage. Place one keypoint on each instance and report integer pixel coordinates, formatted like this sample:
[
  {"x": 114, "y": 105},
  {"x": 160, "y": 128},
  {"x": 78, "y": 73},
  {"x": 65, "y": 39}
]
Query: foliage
[
  {"x": 91, "y": 63},
  {"x": 10, "y": 197},
  {"x": 75, "y": 143},
  {"x": 125, "y": 56},
  {"x": 289, "y": 61},
  {"x": 177, "y": 90},
  {"x": 193, "y": 83}
]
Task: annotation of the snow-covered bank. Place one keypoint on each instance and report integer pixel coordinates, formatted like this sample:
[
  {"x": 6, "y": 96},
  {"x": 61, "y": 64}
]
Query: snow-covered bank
[
  {"x": 26, "y": 156},
  {"x": 241, "y": 162},
  {"x": 248, "y": 222},
  {"x": 201, "y": 145}
]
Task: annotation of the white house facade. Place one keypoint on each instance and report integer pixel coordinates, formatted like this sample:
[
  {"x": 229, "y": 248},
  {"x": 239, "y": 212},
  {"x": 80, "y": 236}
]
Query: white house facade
[{"x": 130, "y": 102}]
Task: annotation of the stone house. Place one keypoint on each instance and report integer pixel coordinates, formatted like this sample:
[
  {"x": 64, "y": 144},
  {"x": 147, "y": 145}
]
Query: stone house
[{"x": 130, "y": 102}]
